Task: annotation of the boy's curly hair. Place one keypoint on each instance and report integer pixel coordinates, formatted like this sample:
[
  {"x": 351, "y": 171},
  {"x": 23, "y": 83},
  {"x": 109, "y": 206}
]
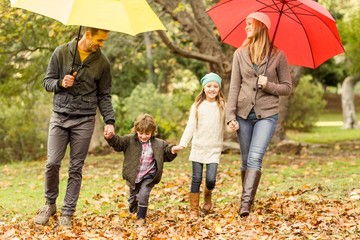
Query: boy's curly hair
[{"x": 145, "y": 123}]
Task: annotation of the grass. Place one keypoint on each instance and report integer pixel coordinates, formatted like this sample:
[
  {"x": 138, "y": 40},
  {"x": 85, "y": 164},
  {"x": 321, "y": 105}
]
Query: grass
[
  {"x": 329, "y": 115},
  {"x": 329, "y": 132},
  {"x": 321, "y": 178},
  {"x": 334, "y": 170},
  {"x": 324, "y": 135}
]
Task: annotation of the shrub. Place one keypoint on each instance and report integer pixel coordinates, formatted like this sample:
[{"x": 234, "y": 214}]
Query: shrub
[
  {"x": 22, "y": 134},
  {"x": 145, "y": 98},
  {"x": 306, "y": 105}
]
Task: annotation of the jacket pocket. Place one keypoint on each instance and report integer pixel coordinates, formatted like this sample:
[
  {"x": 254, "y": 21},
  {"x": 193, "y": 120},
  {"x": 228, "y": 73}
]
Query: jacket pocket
[
  {"x": 61, "y": 101},
  {"x": 89, "y": 102}
]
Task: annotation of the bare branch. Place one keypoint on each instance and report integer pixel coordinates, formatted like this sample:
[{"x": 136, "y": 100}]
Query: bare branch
[{"x": 184, "y": 53}]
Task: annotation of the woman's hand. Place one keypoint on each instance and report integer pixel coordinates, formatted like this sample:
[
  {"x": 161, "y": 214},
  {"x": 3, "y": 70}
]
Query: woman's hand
[
  {"x": 176, "y": 149},
  {"x": 233, "y": 125},
  {"x": 262, "y": 81}
]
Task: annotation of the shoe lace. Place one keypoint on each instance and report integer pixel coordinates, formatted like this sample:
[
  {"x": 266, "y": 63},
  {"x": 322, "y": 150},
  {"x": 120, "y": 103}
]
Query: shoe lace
[
  {"x": 65, "y": 220},
  {"x": 44, "y": 210}
]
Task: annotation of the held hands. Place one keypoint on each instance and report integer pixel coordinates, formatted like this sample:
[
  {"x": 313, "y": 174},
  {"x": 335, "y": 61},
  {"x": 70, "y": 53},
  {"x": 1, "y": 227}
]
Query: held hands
[
  {"x": 68, "y": 80},
  {"x": 233, "y": 125},
  {"x": 262, "y": 81},
  {"x": 109, "y": 131},
  {"x": 176, "y": 149}
]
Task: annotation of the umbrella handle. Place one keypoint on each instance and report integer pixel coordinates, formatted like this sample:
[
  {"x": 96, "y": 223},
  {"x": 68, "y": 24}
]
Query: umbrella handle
[
  {"x": 72, "y": 68},
  {"x": 267, "y": 62},
  {"x": 272, "y": 42}
]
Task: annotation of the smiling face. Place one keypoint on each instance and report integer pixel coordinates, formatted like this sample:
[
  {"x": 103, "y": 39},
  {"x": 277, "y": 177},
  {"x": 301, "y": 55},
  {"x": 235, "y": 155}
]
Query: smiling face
[
  {"x": 249, "y": 28},
  {"x": 211, "y": 90},
  {"x": 96, "y": 41},
  {"x": 144, "y": 136}
]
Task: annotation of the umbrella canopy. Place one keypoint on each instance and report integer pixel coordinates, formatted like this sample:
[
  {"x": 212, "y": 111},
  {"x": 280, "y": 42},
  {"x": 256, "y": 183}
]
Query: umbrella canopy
[
  {"x": 303, "y": 29},
  {"x": 126, "y": 16}
]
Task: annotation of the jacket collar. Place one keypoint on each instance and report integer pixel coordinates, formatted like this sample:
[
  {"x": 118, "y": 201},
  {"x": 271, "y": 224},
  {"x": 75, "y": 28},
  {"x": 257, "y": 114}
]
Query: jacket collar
[{"x": 90, "y": 58}]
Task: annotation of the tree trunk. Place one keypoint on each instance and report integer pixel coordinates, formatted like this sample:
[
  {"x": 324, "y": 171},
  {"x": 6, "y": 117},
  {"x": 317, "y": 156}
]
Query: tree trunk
[
  {"x": 347, "y": 102},
  {"x": 98, "y": 142},
  {"x": 284, "y": 105},
  {"x": 149, "y": 57}
]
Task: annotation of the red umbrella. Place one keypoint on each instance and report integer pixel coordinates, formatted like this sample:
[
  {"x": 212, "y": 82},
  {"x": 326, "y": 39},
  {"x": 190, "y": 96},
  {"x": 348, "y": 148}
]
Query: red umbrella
[{"x": 303, "y": 29}]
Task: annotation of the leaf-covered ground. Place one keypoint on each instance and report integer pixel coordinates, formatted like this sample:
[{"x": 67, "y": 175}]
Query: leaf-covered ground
[{"x": 304, "y": 212}]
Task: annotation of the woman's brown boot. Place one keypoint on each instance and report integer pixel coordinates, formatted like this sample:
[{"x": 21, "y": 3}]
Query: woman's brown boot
[{"x": 250, "y": 185}]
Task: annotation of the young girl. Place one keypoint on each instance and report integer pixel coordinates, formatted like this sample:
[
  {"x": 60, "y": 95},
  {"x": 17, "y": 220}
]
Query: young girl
[
  {"x": 205, "y": 127},
  {"x": 144, "y": 157}
]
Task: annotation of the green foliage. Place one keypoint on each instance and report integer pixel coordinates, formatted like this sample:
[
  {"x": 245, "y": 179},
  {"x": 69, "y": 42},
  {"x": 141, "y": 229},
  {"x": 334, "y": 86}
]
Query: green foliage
[
  {"x": 129, "y": 65},
  {"x": 20, "y": 138},
  {"x": 306, "y": 105},
  {"x": 329, "y": 73},
  {"x": 26, "y": 43},
  {"x": 350, "y": 32},
  {"x": 145, "y": 98}
]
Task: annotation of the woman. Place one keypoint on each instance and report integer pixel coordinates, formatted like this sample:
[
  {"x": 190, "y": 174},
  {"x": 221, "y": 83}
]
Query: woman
[{"x": 257, "y": 81}]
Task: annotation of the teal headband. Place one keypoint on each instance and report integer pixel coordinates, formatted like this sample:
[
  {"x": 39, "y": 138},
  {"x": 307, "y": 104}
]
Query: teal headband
[{"x": 210, "y": 77}]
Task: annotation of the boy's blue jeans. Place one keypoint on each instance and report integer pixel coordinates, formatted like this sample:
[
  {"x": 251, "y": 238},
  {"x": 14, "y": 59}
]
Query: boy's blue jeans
[
  {"x": 254, "y": 137},
  {"x": 211, "y": 170}
]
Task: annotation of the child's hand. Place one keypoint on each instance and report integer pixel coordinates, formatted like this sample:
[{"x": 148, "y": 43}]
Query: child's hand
[
  {"x": 234, "y": 125},
  {"x": 176, "y": 149}
]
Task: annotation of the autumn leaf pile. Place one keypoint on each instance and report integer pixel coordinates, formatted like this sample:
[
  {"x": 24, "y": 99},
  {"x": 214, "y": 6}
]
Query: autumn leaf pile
[{"x": 303, "y": 213}]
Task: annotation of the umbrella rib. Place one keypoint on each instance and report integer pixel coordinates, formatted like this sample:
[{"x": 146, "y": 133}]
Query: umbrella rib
[
  {"x": 273, "y": 6},
  {"x": 291, "y": 9},
  {"x": 297, "y": 19},
  {"x": 290, "y": 17}
]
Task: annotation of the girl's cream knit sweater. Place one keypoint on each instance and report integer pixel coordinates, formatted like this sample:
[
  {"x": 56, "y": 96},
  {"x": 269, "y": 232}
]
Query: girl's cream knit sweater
[{"x": 206, "y": 133}]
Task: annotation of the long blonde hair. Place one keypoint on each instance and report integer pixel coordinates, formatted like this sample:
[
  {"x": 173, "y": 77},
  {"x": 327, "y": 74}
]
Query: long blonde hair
[
  {"x": 202, "y": 96},
  {"x": 259, "y": 43}
]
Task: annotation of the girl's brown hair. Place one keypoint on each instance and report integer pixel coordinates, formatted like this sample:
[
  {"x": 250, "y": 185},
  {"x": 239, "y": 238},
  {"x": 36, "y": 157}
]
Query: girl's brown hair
[{"x": 145, "y": 123}]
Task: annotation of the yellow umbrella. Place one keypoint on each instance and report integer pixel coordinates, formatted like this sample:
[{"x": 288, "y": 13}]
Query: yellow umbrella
[{"x": 126, "y": 16}]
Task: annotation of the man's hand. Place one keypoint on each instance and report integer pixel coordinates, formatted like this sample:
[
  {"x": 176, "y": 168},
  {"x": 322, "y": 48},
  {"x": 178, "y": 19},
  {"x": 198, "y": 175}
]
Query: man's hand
[
  {"x": 109, "y": 131},
  {"x": 68, "y": 80}
]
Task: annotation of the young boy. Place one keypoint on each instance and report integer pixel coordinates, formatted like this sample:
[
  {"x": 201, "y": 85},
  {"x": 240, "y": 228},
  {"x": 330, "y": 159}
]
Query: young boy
[{"x": 144, "y": 156}]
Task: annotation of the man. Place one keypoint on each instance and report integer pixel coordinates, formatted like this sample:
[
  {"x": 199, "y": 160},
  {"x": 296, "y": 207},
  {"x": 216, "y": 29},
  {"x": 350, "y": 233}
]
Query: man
[{"x": 77, "y": 94}]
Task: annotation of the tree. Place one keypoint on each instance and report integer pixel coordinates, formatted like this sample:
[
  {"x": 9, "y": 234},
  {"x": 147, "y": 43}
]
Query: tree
[
  {"x": 348, "y": 13},
  {"x": 351, "y": 36},
  {"x": 26, "y": 42}
]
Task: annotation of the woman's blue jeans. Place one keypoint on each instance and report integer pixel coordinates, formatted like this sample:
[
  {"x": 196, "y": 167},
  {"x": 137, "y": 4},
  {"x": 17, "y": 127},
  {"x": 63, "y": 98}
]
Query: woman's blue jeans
[
  {"x": 254, "y": 137},
  {"x": 197, "y": 171}
]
